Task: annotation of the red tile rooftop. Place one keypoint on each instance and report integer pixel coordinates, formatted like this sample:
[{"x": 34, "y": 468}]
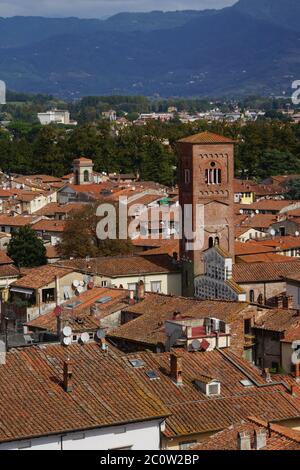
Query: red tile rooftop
[
  {"x": 207, "y": 138},
  {"x": 116, "y": 300},
  {"x": 35, "y": 403},
  {"x": 244, "y": 273},
  {"x": 36, "y": 278},
  {"x": 277, "y": 437}
]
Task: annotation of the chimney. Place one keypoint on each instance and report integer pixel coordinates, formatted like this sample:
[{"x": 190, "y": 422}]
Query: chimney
[
  {"x": 294, "y": 390},
  {"x": 176, "y": 314},
  {"x": 141, "y": 290},
  {"x": 267, "y": 376},
  {"x": 260, "y": 439},
  {"x": 244, "y": 441},
  {"x": 176, "y": 368},
  {"x": 131, "y": 297},
  {"x": 68, "y": 376},
  {"x": 288, "y": 301}
]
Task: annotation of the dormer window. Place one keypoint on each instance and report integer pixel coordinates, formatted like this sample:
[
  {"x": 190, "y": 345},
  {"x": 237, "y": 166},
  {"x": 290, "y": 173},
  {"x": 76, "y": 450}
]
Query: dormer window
[
  {"x": 208, "y": 385},
  {"x": 213, "y": 389}
]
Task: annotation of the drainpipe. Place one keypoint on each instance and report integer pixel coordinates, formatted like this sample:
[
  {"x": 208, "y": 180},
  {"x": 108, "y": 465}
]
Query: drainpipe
[{"x": 57, "y": 291}]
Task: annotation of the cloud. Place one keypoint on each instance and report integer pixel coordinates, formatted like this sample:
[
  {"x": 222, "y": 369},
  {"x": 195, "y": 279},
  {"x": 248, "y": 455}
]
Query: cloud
[{"x": 100, "y": 8}]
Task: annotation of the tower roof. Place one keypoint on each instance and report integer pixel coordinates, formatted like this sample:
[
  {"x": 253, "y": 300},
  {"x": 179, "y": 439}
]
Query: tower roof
[
  {"x": 83, "y": 161},
  {"x": 207, "y": 138}
]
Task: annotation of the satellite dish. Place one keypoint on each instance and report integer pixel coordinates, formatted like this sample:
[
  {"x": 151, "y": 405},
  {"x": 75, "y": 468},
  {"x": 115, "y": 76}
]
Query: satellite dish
[
  {"x": 101, "y": 334},
  {"x": 196, "y": 345},
  {"x": 90, "y": 285},
  {"x": 67, "y": 331},
  {"x": 272, "y": 232},
  {"x": 81, "y": 283},
  {"x": 85, "y": 337},
  {"x": 79, "y": 290},
  {"x": 297, "y": 234},
  {"x": 76, "y": 283},
  {"x": 67, "y": 341}
]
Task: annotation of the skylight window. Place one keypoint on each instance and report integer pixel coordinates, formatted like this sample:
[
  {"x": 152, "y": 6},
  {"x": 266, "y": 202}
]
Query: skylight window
[
  {"x": 152, "y": 375},
  {"x": 74, "y": 304},
  {"x": 136, "y": 363},
  {"x": 246, "y": 383},
  {"x": 103, "y": 300}
]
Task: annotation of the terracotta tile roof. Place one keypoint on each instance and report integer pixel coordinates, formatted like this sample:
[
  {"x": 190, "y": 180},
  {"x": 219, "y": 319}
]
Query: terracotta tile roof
[
  {"x": 147, "y": 199},
  {"x": 157, "y": 247},
  {"x": 83, "y": 161},
  {"x": 4, "y": 259},
  {"x": 259, "y": 221},
  {"x": 36, "y": 278},
  {"x": 193, "y": 412},
  {"x": 8, "y": 271},
  {"x": 103, "y": 392},
  {"x": 54, "y": 208},
  {"x": 251, "y": 248},
  {"x": 281, "y": 320},
  {"x": 82, "y": 311},
  {"x": 92, "y": 188},
  {"x": 47, "y": 225},
  {"x": 278, "y": 437},
  {"x": 17, "y": 221},
  {"x": 263, "y": 272},
  {"x": 268, "y": 205},
  {"x": 116, "y": 266},
  {"x": 246, "y": 186},
  {"x": 207, "y": 138},
  {"x": 293, "y": 334},
  {"x": 281, "y": 243},
  {"x": 265, "y": 258},
  {"x": 155, "y": 309}
]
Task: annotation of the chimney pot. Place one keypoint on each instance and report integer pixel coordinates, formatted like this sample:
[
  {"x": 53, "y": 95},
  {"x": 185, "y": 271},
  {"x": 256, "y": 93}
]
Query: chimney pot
[{"x": 68, "y": 375}]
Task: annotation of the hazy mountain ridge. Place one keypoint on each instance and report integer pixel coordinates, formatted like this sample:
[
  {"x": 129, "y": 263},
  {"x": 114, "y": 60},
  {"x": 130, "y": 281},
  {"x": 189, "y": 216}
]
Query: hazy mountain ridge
[{"x": 233, "y": 51}]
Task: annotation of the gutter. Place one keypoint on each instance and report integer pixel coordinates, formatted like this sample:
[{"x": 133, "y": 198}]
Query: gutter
[{"x": 251, "y": 378}]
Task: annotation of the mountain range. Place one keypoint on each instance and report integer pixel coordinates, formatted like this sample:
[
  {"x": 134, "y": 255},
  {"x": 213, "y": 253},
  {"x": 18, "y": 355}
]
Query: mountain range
[{"x": 252, "y": 47}]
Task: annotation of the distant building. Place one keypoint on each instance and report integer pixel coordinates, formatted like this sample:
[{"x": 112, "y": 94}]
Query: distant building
[
  {"x": 56, "y": 116},
  {"x": 110, "y": 115}
]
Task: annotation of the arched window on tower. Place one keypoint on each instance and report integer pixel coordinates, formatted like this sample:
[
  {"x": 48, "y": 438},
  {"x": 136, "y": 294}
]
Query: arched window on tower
[
  {"x": 210, "y": 242},
  {"x": 217, "y": 241},
  {"x": 251, "y": 296},
  {"x": 213, "y": 175}
]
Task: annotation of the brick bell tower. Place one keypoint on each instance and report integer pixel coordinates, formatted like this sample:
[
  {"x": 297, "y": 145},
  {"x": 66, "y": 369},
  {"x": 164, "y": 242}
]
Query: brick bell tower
[{"x": 206, "y": 173}]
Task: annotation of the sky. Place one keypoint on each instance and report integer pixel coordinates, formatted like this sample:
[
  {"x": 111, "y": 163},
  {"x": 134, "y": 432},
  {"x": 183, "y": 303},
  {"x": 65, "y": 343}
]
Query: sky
[{"x": 100, "y": 8}]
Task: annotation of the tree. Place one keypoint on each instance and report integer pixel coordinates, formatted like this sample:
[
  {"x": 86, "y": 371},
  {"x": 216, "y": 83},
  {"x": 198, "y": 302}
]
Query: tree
[
  {"x": 26, "y": 249},
  {"x": 274, "y": 162},
  {"x": 80, "y": 239},
  {"x": 293, "y": 190}
]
